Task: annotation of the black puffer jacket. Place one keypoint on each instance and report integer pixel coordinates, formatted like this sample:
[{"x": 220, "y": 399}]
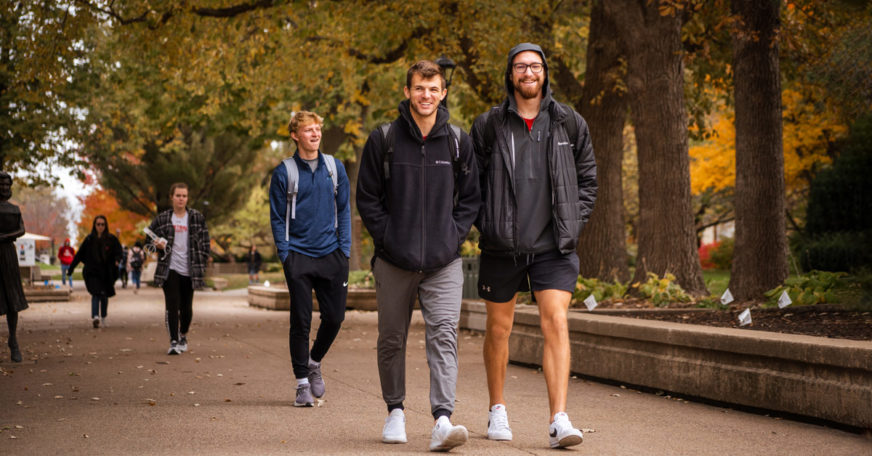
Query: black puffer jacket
[
  {"x": 412, "y": 218},
  {"x": 571, "y": 168}
]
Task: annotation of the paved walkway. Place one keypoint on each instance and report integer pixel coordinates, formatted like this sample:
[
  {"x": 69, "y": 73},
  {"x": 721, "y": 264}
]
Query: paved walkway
[{"x": 115, "y": 391}]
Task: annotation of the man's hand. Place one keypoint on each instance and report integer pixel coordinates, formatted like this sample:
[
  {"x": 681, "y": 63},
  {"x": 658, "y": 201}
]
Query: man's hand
[{"x": 161, "y": 243}]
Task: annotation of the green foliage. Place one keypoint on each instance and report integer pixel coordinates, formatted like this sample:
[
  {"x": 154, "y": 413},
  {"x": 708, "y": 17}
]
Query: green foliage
[
  {"x": 716, "y": 281},
  {"x": 361, "y": 278},
  {"x": 839, "y": 216},
  {"x": 722, "y": 255},
  {"x": 817, "y": 287},
  {"x": 662, "y": 291},
  {"x": 600, "y": 289}
]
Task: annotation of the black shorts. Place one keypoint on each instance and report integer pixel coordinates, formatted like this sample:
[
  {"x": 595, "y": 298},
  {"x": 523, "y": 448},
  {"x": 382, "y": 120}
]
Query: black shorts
[{"x": 500, "y": 277}]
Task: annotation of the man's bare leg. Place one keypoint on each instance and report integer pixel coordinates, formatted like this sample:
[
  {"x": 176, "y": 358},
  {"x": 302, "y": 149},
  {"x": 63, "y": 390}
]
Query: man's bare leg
[
  {"x": 500, "y": 316},
  {"x": 553, "y": 309}
]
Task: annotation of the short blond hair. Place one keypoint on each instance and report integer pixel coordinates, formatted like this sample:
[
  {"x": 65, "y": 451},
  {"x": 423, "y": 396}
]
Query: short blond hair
[{"x": 301, "y": 118}]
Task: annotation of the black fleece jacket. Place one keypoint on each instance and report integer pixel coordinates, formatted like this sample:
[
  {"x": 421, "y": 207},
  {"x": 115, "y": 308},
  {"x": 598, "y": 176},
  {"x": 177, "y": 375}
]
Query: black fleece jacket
[{"x": 412, "y": 217}]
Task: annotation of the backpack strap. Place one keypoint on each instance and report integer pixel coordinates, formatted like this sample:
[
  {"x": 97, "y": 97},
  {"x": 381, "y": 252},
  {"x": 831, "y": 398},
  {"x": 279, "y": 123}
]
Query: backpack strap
[
  {"x": 388, "y": 141},
  {"x": 458, "y": 166},
  {"x": 330, "y": 161},
  {"x": 292, "y": 186}
]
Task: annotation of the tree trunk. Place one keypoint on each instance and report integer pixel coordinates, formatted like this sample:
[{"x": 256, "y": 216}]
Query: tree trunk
[
  {"x": 760, "y": 249},
  {"x": 602, "y": 248},
  {"x": 666, "y": 236}
]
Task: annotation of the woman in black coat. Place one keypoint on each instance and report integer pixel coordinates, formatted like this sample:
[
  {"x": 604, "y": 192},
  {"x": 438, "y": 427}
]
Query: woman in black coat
[
  {"x": 12, "y": 298},
  {"x": 101, "y": 254}
]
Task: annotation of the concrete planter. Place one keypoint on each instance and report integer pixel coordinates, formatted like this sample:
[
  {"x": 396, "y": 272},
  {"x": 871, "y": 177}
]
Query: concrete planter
[
  {"x": 817, "y": 377},
  {"x": 41, "y": 294},
  {"x": 278, "y": 298}
]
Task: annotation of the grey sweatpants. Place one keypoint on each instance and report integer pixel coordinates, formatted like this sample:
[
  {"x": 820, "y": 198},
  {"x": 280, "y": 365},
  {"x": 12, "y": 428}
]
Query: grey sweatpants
[{"x": 439, "y": 293}]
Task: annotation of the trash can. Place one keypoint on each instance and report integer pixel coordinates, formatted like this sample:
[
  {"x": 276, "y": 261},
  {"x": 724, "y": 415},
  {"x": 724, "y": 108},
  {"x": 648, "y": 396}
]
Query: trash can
[{"x": 470, "y": 277}]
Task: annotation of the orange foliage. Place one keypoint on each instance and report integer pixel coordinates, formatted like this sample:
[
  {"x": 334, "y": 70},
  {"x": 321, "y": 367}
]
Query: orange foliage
[
  {"x": 808, "y": 129},
  {"x": 102, "y": 202}
]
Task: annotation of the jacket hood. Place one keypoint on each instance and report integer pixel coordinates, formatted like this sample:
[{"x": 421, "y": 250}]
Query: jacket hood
[
  {"x": 441, "y": 120},
  {"x": 510, "y": 88}
]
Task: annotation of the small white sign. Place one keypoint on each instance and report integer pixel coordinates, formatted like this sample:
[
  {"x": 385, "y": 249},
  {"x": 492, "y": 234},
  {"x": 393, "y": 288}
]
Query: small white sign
[
  {"x": 745, "y": 317},
  {"x": 590, "y": 302},
  {"x": 727, "y": 297},
  {"x": 784, "y": 300}
]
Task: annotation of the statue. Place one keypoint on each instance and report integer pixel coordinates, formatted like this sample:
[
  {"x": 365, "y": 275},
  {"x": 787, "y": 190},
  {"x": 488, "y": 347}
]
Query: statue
[{"x": 12, "y": 298}]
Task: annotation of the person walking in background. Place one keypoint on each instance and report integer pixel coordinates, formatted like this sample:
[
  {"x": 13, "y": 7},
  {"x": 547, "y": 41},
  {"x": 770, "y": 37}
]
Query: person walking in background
[
  {"x": 310, "y": 216},
  {"x": 12, "y": 299},
  {"x": 65, "y": 256},
  {"x": 181, "y": 269},
  {"x": 100, "y": 252},
  {"x": 417, "y": 193},
  {"x": 135, "y": 261},
  {"x": 538, "y": 186},
  {"x": 254, "y": 263},
  {"x": 122, "y": 265}
]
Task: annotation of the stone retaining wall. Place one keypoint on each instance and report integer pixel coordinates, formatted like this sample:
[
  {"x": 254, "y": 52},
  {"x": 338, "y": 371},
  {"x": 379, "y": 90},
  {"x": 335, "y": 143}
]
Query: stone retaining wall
[{"x": 830, "y": 379}]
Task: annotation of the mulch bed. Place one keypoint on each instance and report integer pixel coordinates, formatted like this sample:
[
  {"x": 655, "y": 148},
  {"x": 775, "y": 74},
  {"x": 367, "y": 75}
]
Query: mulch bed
[{"x": 821, "y": 320}]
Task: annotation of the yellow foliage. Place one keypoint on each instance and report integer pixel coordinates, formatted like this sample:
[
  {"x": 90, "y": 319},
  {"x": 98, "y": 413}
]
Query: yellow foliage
[{"x": 808, "y": 129}]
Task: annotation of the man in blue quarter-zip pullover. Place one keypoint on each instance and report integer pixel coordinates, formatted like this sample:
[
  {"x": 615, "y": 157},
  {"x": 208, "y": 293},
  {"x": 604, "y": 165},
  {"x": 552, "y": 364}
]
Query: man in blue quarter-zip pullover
[{"x": 311, "y": 224}]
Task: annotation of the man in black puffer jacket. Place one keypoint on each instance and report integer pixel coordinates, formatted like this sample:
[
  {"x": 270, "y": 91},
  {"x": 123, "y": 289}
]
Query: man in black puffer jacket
[
  {"x": 538, "y": 186},
  {"x": 417, "y": 193}
]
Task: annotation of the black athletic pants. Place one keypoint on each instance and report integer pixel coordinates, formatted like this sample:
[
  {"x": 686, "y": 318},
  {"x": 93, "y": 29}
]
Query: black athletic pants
[
  {"x": 179, "y": 297},
  {"x": 328, "y": 276}
]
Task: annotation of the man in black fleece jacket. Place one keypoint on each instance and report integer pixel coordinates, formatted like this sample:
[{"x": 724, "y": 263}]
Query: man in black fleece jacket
[
  {"x": 417, "y": 228},
  {"x": 538, "y": 186}
]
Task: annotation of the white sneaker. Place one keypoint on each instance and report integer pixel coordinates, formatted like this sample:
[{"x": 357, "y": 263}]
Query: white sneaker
[
  {"x": 446, "y": 436},
  {"x": 95, "y": 321},
  {"x": 498, "y": 423},
  {"x": 395, "y": 427},
  {"x": 562, "y": 433}
]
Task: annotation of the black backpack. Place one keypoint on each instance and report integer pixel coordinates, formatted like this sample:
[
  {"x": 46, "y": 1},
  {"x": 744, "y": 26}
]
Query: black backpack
[
  {"x": 459, "y": 167},
  {"x": 136, "y": 260}
]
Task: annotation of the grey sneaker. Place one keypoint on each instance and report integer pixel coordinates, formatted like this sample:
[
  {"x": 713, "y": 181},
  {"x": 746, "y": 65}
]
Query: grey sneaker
[
  {"x": 446, "y": 436},
  {"x": 315, "y": 380},
  {"x": 96, "y": 322},
  {"x": 395, "y": 427},
  {"x": 304, "y": 396},
  {"x": 174, "y": 348},
  {"x": 562, "y": 434},
  {"x": 183, "y": 344}
]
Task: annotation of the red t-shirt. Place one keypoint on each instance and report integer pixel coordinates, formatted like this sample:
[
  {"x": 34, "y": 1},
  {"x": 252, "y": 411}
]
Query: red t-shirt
[{"x": 529, "y": 123}]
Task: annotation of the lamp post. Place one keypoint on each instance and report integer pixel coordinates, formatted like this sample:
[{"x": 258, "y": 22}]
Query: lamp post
[{"x": 446, "y": 64}]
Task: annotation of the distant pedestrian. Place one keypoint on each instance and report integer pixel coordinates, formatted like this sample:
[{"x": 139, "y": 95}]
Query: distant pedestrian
[
  {"x": 12, "y": 298},
  {"x": 538, "y": 175},
  {"x": 181, "y": 269},
  {"x": 135, "y": 261},
  {"x": 122, "y": 265},
  {"x": 254, "y": 263},
  {"x": 310, "y": 217},
  {"x": 417, "y": 193},
  {"x": 100, "y": 252},
  {"x": 65, "y": 256}
]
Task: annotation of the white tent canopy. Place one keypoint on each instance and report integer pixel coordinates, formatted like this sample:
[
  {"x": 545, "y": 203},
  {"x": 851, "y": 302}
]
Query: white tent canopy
[{"x": 35, "y": 237}]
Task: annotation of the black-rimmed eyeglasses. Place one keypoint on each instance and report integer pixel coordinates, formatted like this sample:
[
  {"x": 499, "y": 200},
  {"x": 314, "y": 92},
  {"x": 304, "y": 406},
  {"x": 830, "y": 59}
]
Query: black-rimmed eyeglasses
[{"x": 521, "y": 68}]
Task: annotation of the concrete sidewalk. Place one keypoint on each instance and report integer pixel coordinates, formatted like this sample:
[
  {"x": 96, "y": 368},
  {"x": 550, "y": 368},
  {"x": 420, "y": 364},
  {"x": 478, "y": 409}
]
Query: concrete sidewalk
[{"x": 115, "y": 391}]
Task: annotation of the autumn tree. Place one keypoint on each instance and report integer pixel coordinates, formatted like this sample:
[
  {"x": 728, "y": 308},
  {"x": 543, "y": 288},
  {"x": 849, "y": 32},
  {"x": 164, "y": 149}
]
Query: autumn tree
[
  {"x": 42, "y": 211},
  {"x": 103, "y": 202},
  {"x": 655, "y": 80}
]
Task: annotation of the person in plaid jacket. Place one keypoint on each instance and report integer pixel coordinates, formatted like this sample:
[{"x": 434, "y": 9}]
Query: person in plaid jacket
[{"x": 181, "y": 266}]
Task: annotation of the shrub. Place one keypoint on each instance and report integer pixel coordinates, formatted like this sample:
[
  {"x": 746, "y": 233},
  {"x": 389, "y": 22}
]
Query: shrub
[
  {"x": 705, "y": 252},
  {"x": 722, "y": 255},
  {"x": 662, "y": 291},
  {"x": 817, "y": 287},
  {"x": 599, "y": 289}
]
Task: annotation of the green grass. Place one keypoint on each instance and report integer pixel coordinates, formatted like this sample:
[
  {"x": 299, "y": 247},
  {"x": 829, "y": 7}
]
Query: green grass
[{"x": 716, "y": 280}]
